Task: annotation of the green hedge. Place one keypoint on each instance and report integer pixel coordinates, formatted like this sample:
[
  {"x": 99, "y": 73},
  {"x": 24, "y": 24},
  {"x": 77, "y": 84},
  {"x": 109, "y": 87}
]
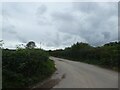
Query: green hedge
[
  {"x": 105, "y": 56},
  {"x": 24, "y": 67}
]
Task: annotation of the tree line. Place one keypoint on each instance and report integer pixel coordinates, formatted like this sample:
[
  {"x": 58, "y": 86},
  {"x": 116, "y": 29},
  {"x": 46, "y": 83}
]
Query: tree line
[{"x": 105, "y": 56}]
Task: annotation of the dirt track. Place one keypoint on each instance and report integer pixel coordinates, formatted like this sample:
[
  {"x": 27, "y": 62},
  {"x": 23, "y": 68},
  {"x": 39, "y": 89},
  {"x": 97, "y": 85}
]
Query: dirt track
[{"x": 81, "y": 75}]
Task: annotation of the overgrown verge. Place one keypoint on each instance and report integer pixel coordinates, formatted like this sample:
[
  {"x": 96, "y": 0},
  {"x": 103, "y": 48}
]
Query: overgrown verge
[
  {"x": 24, "y": 67},
  {"x": 104, "y": 56}
]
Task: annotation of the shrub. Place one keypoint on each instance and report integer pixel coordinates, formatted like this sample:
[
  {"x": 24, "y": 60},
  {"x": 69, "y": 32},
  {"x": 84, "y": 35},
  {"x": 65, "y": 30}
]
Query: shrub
[{"x": 23, "y": 67}]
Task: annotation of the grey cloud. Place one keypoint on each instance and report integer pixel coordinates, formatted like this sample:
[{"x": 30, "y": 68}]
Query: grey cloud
[
  {"x": 86, "y": 7},
  {"x": 93, "y": 22},
  {"x": 9, "y": 29},
  {"x": 21, "y": 39},
  {"x": 41, "y": 10},
  {"x": 63, "y": 39},
  {"x": 49, "y": 44},
  {"x": 106, "y": 35},
  {"x": 63, "y": 16},
  {"x": 57, "y": 40},
  {"x": 42, "y": 19},
  {"x": 101, "y": 8},
  {"x": 67, "y": 37}
]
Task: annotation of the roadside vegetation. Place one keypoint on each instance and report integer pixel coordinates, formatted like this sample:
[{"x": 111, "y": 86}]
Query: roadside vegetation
[
  {"x": 104, "y": 56},
  {"x": 24, "y": 67}
]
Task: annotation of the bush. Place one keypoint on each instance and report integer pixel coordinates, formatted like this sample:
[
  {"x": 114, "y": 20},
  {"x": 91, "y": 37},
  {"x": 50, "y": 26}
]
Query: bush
[
  {"x": 105, "y": 56},
  {"x": 24, "y": 67}
]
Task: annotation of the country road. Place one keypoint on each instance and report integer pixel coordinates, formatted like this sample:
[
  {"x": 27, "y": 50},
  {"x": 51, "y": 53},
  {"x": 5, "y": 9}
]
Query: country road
[{"x": 81, "y": 75}]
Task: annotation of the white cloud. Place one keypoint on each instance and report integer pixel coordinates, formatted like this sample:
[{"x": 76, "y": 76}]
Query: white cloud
[{"x": 58, "y": 25}]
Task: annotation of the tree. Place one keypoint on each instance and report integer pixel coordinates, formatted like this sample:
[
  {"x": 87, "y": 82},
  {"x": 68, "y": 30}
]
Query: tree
[
  {"x": 20, "y": 46},
  {"x": 31, "y": 45}
]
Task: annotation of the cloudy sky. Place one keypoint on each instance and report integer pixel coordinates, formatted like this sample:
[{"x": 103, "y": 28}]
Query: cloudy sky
[{"x": 59, "y": 25}]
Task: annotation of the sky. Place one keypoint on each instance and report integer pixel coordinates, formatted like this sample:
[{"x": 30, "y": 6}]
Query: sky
[{"x": 54, "y": 25}]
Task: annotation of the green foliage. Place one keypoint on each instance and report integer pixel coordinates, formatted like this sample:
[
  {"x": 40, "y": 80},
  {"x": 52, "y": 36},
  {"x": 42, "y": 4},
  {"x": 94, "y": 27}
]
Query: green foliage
[
  {"x": 24, "y": 67},
  {"x": 31, "y": 45},
  {"x": 105, "y": 56}
]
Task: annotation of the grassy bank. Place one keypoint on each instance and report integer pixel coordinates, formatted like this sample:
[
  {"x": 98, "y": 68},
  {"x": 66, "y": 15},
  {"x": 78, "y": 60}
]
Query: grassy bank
[{"x": 25, "y": 67}]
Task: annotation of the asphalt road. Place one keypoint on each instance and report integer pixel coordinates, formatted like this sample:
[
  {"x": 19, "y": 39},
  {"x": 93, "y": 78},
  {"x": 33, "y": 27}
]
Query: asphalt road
[{"x": 81, "y": 75}]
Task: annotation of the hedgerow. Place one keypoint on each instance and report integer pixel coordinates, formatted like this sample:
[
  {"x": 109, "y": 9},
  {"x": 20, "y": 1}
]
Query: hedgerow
[{"x": 25, "y": 67}]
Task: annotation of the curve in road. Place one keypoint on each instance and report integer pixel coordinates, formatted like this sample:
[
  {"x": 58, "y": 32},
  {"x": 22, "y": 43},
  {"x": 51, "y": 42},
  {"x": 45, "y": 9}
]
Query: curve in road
[{"x": 82, "y": 75}]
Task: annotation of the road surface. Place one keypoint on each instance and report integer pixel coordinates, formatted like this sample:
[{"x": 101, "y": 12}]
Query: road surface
[{"x": 81, "y": 75}]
